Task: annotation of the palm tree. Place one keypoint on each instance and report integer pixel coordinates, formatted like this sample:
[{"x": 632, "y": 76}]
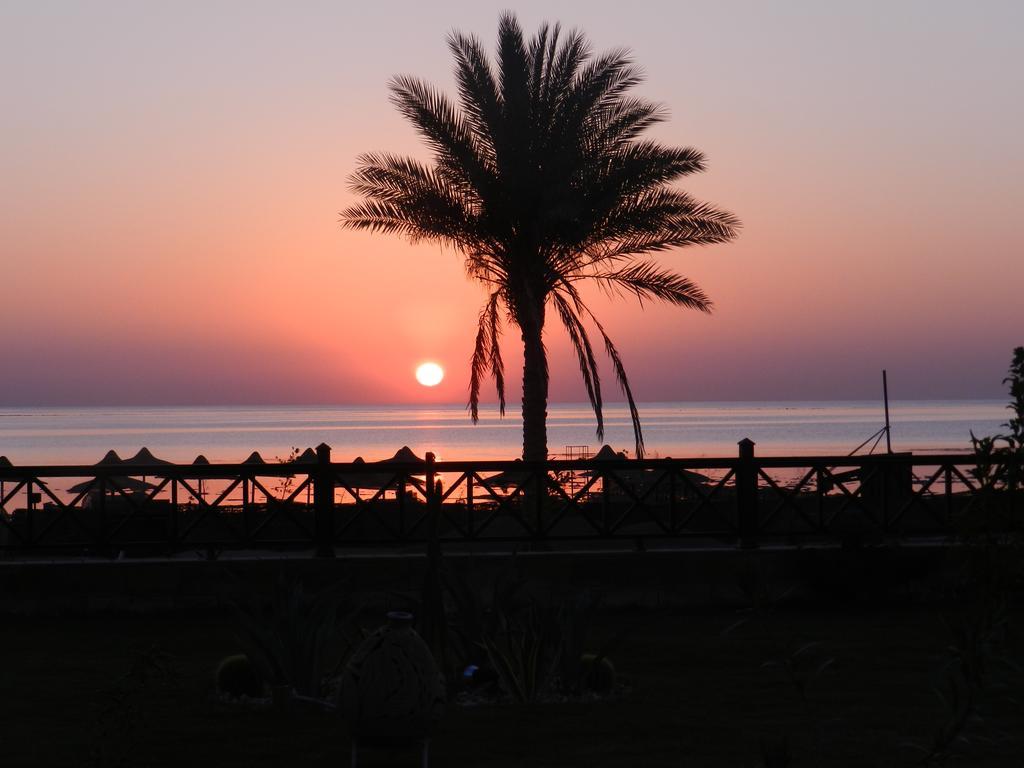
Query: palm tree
[{"x": 540, "y": 178}]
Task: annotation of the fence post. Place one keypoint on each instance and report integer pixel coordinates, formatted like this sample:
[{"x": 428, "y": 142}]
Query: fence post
[
  {"x": 430, "y": 459},
  {"x": 432, "y": 622},
  {"x": 746, "y": 495},
  {"x": 323, "y": 502},
  {"x": 101, "y": 516}
]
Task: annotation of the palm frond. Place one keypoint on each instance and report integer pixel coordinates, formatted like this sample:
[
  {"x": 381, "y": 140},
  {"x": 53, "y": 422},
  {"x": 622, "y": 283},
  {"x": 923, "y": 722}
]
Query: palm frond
[
  {"x": 418, "y": 218},
  {"x": 487, "y": 267},
  {"x": 538, "y": 51},
  {"x": 564, "y": 66},
  {"x": 597, "y": 84},
  {"x": 616, "y": 358},
  {"x": 478, "y": 91},
  {"x": 456, "y": 147},
  {"x": 623, "y": 379},
  {"x": 658, "y": 220},
  {"x": 623, "y": 121},
  {"x": 585, "y": 355},
  {"x": 648, "y": 280},
  {"x": 514, "y": 64},
  {"x": 487, "y": 357},
  {"x": 633, "y": 170},
  {"x": 387, "y": 177}
]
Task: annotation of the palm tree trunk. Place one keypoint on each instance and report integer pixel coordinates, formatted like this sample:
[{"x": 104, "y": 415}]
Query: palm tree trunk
[{"x": 535, "y": 387}]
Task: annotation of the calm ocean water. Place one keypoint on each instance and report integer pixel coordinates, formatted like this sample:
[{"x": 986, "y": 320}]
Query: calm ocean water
[{"x": 229, "y": 434}]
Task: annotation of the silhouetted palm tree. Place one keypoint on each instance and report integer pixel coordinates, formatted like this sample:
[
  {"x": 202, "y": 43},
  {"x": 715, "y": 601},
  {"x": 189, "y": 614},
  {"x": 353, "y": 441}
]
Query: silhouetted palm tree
[{"x": 541, "y": 180}]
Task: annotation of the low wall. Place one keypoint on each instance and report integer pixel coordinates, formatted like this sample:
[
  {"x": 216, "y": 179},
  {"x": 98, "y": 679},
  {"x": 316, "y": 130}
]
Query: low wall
[{"x": 699, "y": 577}]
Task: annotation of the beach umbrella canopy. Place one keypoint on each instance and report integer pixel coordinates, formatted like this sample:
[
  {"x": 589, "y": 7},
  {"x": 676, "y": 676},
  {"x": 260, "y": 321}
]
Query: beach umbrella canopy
[
  {"x": 636, "y": 478},
  {"x": 110, "y": 457},
  {"x": 131, "y": 484},
  {"x": 510, "y": 478},
  {"x": 202, "y": 461},
  {"x": 308, "y": 456},
  {"x": 5, "y": 462},
  {"x": 403, "y": 455},
  {"x": 143, "y": 458},
  {"x": 254, "y": 459},
  {"x": 607, "y": 453},
  {"x": 362, "y": 479},
  {"x": 375, "y": 480}
]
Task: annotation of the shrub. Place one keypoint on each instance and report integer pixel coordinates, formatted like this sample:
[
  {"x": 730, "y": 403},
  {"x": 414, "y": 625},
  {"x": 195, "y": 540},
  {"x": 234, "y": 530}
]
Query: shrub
[
  {"x": 294, "y": 638},
  {"x": 238, "y": 676},
  {"x": 598, "y": 673}
]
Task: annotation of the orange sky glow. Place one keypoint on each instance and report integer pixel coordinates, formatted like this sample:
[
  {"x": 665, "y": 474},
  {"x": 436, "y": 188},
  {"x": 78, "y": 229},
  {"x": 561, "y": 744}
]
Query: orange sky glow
[{"x": 171, "y": 179}]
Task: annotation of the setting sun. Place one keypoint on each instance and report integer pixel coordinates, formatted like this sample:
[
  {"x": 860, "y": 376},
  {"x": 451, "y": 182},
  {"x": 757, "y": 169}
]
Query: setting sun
[{"x": 429, "y": 374}]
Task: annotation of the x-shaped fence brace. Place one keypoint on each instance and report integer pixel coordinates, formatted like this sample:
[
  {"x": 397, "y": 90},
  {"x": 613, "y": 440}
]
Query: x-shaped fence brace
[
  {"x": 371, "y": 509},
  {"x": 878, "y": 513},
  {"x": 647, "y": 499}
]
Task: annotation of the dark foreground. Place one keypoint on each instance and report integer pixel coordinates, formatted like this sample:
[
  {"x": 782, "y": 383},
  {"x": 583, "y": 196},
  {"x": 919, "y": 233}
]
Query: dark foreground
[{"x": 699, "y": 696}]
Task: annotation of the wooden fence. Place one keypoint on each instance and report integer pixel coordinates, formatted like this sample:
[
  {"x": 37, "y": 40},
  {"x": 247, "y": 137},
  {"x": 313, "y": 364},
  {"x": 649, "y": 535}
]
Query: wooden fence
[{"x": 327, "y": 507}]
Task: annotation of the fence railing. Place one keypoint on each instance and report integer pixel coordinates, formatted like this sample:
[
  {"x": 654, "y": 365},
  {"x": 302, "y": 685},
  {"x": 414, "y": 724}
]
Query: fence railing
[{"x": 747, "y": 500}]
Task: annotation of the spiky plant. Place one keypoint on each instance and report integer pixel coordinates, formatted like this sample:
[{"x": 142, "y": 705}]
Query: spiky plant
[{"x": 540, "y": 178}]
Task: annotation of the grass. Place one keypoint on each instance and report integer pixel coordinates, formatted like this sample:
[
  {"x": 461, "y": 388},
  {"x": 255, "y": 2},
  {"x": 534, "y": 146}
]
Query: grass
[{"x": 699, "y": 698}]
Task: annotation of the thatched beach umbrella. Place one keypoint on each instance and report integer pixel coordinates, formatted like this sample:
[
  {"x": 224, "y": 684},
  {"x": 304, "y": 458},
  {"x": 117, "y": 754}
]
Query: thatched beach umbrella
[
  {"x": 4, "y": 462},
  {"x": 403, "y": 455},
  {"x": 607, "y": 453},
  {"x": 360, "y": 479},
  {"x": 510, "y": 478},
  {"x": 200, "y": 461},
  {"x": 254, "y": 459},
  {"x": 637, "y": 479},
  {"x": 365, "y": 477},
  {"x": 308, "y": 456},
  {"x": 381, "y": 478},
  {"x": 143, "y": 458},
  {"x": 633, "y": 477},
  {"x": 130, "y": 484},
  {"x": 110, "y": 457}
]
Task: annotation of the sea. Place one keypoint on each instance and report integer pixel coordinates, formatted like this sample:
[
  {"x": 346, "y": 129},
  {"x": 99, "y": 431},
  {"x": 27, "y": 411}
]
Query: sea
[{"x": 82, "y": 435}]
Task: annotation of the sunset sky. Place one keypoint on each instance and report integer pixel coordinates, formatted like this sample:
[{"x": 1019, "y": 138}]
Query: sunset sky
[{"x": 171, "y": 177}]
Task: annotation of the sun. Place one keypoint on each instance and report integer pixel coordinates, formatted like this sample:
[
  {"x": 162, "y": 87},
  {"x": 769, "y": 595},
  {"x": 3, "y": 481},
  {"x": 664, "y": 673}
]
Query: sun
[{"x": 429, "y": 374}]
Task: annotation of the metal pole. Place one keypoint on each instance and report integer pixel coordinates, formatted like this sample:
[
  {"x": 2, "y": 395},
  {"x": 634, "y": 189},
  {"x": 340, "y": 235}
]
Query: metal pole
[{"x": 885, "y": 395}]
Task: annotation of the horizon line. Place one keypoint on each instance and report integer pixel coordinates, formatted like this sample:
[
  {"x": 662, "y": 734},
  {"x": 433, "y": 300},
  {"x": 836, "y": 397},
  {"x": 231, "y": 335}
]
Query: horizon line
[{"x": 508, "y": 409}]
